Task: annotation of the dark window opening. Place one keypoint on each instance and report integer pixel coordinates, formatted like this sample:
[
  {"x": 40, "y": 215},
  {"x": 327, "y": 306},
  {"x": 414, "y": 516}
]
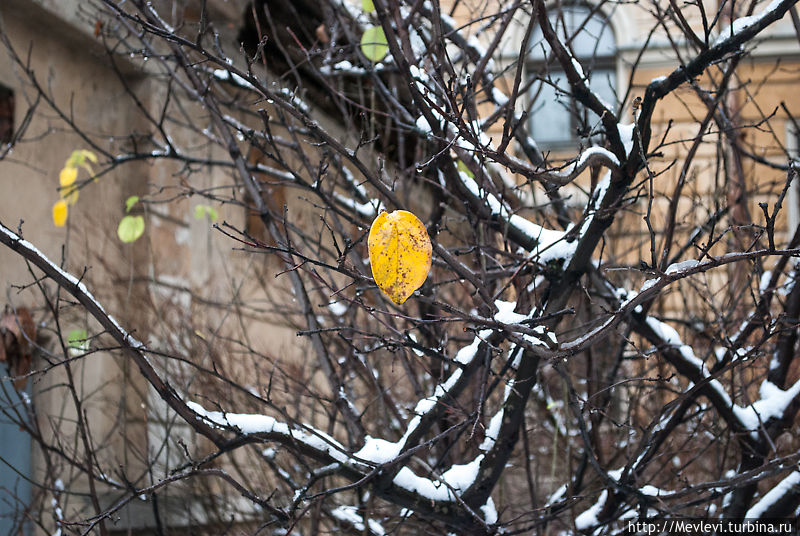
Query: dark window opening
[{"x": 6, "y": 115}]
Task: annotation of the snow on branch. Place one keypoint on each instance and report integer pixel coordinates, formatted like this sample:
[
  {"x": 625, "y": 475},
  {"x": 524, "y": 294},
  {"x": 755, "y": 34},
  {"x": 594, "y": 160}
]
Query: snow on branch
[
  {"x": 547, "y": 244},
  {"x": 733, "y": 39},
  {"x": 770, "y": 504},
  {"x": 418, "y": 490},
  {"x": 135, "y": 348},
  {"x": 255, "y": 424},
  {"x": 743, "y": 23},
  {"x": 590, "y": 518},
  {"x": 349, "y": 514},
  {"x": 651, "y": 287},
  {"x": 65, "y": 279},
  {"x": 771, "y": 406}
]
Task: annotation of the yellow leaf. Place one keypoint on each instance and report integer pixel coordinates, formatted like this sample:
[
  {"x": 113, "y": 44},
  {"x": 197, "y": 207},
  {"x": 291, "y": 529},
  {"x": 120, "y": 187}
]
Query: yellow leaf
[
  {"x": 70, "y": 194},
  {"x": 60, "y": 213},
  {"x": 400, "y": 253},
  {"x": 67, "y": 176}
]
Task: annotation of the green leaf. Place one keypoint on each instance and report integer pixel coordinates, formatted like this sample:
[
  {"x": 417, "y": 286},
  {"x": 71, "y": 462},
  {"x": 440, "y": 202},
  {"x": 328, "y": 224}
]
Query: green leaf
[
  {"x": 461, "y": 166},
  {"x": 367, "y": 6},
  {"x": 374, "y": 44},
  {"x": 75, "y": 159},
  {"x": 90, "y": 155},
  {"x": 201, "y": 211},
  {"x": 130, "y": 228},
  {"x": 78, "y": 339},
  {"x": 130, "y": 202}
]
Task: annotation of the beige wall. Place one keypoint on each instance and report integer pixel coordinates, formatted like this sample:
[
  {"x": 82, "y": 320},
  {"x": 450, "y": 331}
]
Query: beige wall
[
  {"x": 69, "y": 62},
  {"x": 174, "y": 287}
]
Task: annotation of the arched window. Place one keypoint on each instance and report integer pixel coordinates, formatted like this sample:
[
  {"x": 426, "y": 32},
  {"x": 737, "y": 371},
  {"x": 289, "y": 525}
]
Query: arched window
[{"x": 556, "y": 119}]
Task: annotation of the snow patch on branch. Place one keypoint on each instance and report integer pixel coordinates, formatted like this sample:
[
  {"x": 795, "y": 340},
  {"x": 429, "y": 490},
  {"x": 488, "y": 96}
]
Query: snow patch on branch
[
  {"x": 456, "y": 479},
  {"x": 227, "y": 76},
  {"x": 424, "y": 126},
  {"x": 626, "y": 136},
  {"x": 773, "y": 402},
  {"x": 588, "y": 518},
  {"x": 378, "y": 450},
  {"x": 489, "y": 512},
  {"x": 367, "y": 210},
  {"x": 337, "y": 308},
  {"x": 742, "y": 23},
  {"x": 676, "y": 267},
  {"x": 505, "y": 314},
  {"x": 771, "y": 405},
  {"x": 499, "y": 97},
  {"x": 249, "y": 424},
  {"x": 598, "y": 196},
  {"x": 349, "y": 514},
  {"x": 671, "y": 337},
  {"x": 296, "y": 101},
  {"x": 591, "y": 151},
  {"x": 246, "y": 423},
  {"x": 773, "y": 495}
]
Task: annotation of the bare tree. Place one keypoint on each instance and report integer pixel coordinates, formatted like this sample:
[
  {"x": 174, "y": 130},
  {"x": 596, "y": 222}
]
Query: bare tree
[{"x": 608, "y": 332}]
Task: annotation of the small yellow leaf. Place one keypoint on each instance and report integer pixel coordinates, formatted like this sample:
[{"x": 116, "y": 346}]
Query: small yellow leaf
[
  {"x": 70, "y": 195},
  {"x": 69, "y": 192},
  {"x": 400, "y": 253},
  {"x": 67, "y": 176},
  {"x": 60, "y": 213}
]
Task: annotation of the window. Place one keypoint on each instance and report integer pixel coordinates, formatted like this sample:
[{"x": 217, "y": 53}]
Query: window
[
  {"x": 6, "y": 115},
  {"x": 556, "y": 119},
  {"x": 793, "y": 201}
]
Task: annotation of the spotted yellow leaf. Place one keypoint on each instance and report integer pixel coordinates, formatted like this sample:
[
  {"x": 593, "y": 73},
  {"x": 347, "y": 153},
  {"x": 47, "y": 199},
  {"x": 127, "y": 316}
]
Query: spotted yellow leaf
[{"x": 399, "y": 253}]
